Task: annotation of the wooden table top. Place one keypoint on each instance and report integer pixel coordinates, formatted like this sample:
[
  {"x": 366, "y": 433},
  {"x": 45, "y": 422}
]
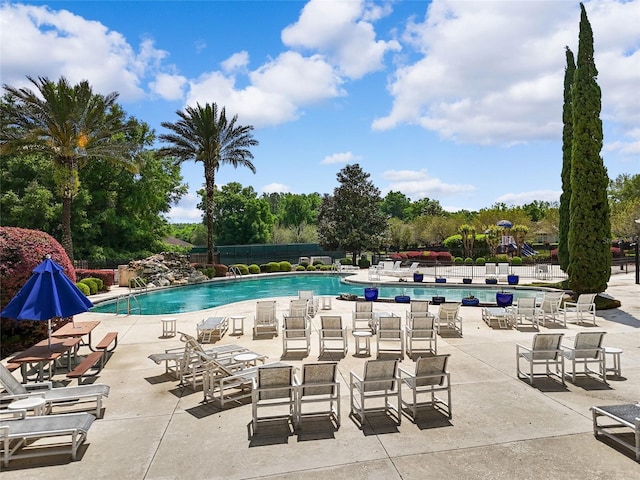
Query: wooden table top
[
  {"x": 41, "y": 352},
  {"x": 75, "y": 329}
]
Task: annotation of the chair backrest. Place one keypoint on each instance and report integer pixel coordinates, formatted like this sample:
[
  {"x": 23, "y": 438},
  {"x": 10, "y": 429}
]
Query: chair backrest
[
  {"x": 364, "y": 309},
  {"x": 275, "y": 381},
  {"x": 427, "y": 366},
  {"x": 294, "y": 326},
  {"x": 546, "y": 346},
  {"x": 389, "y": 327},
  {"x": 526, "y": 305},
  {"x": 319, "y": 373},
  {"x": 588, "y": 344},
  {"x": 414, "y": 266},
  {"x": 11, "y": 383},
  {"x": 266, "y": 311},
  {"x": 397, "y": 264},
  {"x": 490, "y": 269},
  {"x": 586, "y": 298},
  {"x": 421, "y": 327},
  {"x": 298, "y": 308},
  {"x": 503, "y": 268},
  {"x": 385, "y": 371},
  {"x": 305, "y": 294},
  {"x": 448, "y": 310},
  {"x": 332, "y": 324},
  {"x": 419, "y": 306},
  {"x": 551, "y": 302}
]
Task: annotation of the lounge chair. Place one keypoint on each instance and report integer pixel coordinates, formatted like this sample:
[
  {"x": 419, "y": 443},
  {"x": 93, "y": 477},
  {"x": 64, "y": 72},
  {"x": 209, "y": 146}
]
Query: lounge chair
[
  {"x": 490, "y": 270},
  {"x": 421, "y": 335},
  {"x": 296, "y": 331},
  {"x": 274, "y": 386},
  {"x": 54, "y": 397},
  {"x": 212, "y": 328},
  {"x": 545, "y": 350},
  {"x": 312, "y": 301},
  {"x": 389, "y": 336},
  {"x": 525, "y": 311},
  {"x": 266, "y": 322},
  {"x": 429, "y": 376},
  {"x": 550, "y": 307},
  {"x": 380, "y": 380},
  {"x": 543, "y": 271},
  {"x": 418, "y": 308},
  {"x": 448, "y": 317},
  {"x": 587, "y": 348},
  {"x": 319, "y": 384},
  {"x": 503, "y": 271},
  {"x": 363, "y": 317},
  {"x": 332, "y": 335},
  {"x": 585, "y": 306},
  {"x": 623, "y": 416},
  {"x": 299, "y": 308},
  {"x": 20, "y": 435}
]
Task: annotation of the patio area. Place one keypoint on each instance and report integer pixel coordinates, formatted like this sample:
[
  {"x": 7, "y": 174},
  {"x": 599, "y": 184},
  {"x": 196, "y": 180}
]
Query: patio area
[{"x": 502, "y": 427}]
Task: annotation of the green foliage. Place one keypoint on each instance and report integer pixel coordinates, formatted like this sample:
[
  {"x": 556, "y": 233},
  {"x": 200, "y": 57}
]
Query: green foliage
[
  {"x": 264, "y": 268},
  {"x": 209, "y": 272},
  {"x": 458, "y": 261},
  {"x": 300, "y": 268},
  {"x": 394, "y": 205},
  {"x": 254, "y": 269},
  {"x": 84, "y": 288},
  {"x": 91, "y": 283},
  {"x": 304, "y": 263},
  {"x": 468, "y": 261},
  {"x": 98, "y": 281},
  {"x": 107, "y": 277},
  {"x": 364, "y": 262},
  {"x": 351, "y": 219},
  {"x": 311, "y": 268},
  {"x": 137, "y": 281},
  {"x": 480, "y": 261},
  {"x": 273, "y": 267},
  {"x": 589, "y": 235},
  {"x": 516, "y": 261},
  {"x": 519, "y": 233},
  {"x": 346, "y": 261},
  {"x": 325, "y": 268},
  {"x": 242, "y": 268},
  {"x": 284, "y": 266}
]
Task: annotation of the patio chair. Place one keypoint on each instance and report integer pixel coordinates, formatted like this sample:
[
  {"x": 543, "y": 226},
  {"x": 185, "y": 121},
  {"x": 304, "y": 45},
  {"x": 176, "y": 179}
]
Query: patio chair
[
  {"x": 543, "y": 271},
  {"x": 319, "y": 384},
  {"x": 299, "y": 308},
  {"x": 490, "y": 270},
  {"x": 20, "y": 436},
  {"x": 296, "y": 335},
  {"x": 380, "y": 380},
  {"x": 312, "y": 301},
  {"x": 448, "y": 316},
  {"x": 429, "y": 376},
  {"x": 421, "y": 335},
  {"x": 390, "y": 337},
  {"x": 274, "y": 386},
  {"x": 525, "y": 311},
  {"x": 212, "y": 328},
  {"x": 585, "y": 306},
  {"x": 363, "y": 317},
  {"x": 266, "y": 322},
  {"x": 545, "y": 350},
  {"x": 622, "y": 417},
  {"x": 374, "y": 273},
  {"x": 418, "y": 308},
  {"x": 550, "y": 308},
  {"x": 332, "y": 335},
  {"x": 587, "y": 348},
  {"x": 503, "y": 271},
  {"x": 54, "y": 397}
]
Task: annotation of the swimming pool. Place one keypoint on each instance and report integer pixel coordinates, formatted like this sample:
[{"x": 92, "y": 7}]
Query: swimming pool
[{"x": 192, "y": 298}]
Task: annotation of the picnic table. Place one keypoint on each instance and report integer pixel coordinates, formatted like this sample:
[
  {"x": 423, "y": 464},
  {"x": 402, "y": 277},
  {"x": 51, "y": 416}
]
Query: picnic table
[
  {"x": 43, "y": 356},
  {"x": 77, "y": 330}
]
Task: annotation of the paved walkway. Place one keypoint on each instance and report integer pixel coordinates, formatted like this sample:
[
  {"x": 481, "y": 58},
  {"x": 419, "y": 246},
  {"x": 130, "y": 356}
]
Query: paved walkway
[{"x": 502, "y": 428}]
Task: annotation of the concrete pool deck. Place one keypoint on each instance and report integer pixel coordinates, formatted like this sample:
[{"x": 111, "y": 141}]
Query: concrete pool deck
[{"x": 502, "y": 428}]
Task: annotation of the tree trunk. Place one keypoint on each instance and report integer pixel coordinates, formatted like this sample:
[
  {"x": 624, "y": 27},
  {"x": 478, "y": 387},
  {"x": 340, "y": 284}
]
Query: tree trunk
[
  {"x": 209, "y": 186},
  {"x": 67, "y": 240}
]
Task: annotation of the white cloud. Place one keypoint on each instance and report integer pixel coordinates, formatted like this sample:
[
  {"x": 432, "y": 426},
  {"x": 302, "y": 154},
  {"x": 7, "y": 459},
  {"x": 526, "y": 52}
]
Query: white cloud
[
  {"x": 186, "y": 211},
  {"x": 342, "y": 31},
  {"x": 169, "y": 87},
  {"x": 275, "y": 188},
  {"x": 492, "y": 72},
  {"x": 342, "y": 157},
  {"x": 237, "y": 61},
  {"x": 417, "y": 184},
  {"x": 523, "y": 198}
]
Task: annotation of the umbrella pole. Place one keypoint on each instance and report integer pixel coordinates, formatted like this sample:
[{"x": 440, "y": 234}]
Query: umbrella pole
[{"x": 49, "y": 333}]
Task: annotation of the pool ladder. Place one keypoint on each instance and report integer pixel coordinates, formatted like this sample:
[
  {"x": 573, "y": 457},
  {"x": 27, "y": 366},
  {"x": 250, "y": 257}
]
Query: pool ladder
[
  {"x": 235, "y": 271},
  {"x": 127, "y": 297}
]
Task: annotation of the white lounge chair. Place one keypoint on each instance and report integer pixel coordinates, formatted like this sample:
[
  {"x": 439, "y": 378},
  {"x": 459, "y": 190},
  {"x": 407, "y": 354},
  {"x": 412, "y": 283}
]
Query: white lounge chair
[
  {"x": 584, "y": 307},
  {"x": 296, "y": 335},
  {"x": 299, "y": 308},
  {"x": 380, "y": 381},
  {"x": 448, "y": 316},
  {"x": 429, "y": 376},
  {"x": 319, "y": 384},
  {"x": 274, "y": 386},
  {"x": 313, "y": 302},
  {"x": 332, "y": 335},
  {"x": 587, "y": 348},
  {"x": 550, "y": 307},
  {"x": 525, "y": 311},
  {"x": 545, "y": 350},
  {"x": 418, "y": 308},
  {"x": 54, "y": 397},
  {"x": 20, "y": 436},
  {"x": 266, "y": 322},
  {"x": 503, "y": 271}
]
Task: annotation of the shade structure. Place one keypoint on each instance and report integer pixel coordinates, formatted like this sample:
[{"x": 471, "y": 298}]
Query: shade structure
[
  {"x": 504, "y": 223},
  {"x": 48, "y": 294}
]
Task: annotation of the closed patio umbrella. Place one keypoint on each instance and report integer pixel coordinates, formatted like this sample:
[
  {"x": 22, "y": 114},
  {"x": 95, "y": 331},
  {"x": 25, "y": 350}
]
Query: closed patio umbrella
[{"x": 48, "y": 294}]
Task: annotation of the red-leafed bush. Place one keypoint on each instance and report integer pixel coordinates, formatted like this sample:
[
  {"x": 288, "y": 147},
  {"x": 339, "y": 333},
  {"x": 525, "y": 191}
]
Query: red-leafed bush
[{"x": 107, "y": 276}]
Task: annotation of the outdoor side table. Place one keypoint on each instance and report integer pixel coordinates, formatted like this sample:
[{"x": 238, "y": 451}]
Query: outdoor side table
[
  {"x": 615, "y": 353},
  {"x": 32, "y": 403},
  {"x": 235, "y": 328},
  {"x": 326, "y": 303},
  {"x": 248, "y": 359},
  {"x": 366, "y": 335},
  {"x": 169, "y": 327}
]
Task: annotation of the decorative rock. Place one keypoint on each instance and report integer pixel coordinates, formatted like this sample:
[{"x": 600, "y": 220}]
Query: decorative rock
[{"x": 165, "y": 269}]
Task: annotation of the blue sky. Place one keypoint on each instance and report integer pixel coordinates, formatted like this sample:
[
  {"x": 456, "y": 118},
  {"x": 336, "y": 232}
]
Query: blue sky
[{"x": 458, "y": 101}]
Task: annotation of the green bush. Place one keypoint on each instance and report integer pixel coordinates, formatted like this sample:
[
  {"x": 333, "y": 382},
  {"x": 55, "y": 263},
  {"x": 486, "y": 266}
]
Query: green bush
[
  {"x": 242, "y": 268},
  {"x": 458, "y": 261},
  {"x": 210, "y": 272},
  {"x": 254, "y": 269},
  {"x": 480, "y": 261},
  {"x": 264, "y": 268},
  {"x": 273, "y": 267},
  {"x": 84, "y": 288},
  {"x": 284, "y": 266},
  {"x": 317, "y": 262},
  {"x": 346, "y": 261},
  {"x": 468, "y": 261},
  {"x": 325, "y": 268},
  {"x": 311, "y": 268},
  {"x": 516, "y": 261},
  {"x": 304, "y": 264},
  {"x": 132, "y": 282},
  {"x": 364, "y": 262},
  {"x": 91, "y": 283},
  {"x": 301, "y": 268},
  {"x": 99, "y": 282},
  {"x": 502, "y": 258}
]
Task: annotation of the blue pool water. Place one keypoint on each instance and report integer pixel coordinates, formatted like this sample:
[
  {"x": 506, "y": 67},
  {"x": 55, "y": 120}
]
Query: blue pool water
[{"x": 191, "y": 298}]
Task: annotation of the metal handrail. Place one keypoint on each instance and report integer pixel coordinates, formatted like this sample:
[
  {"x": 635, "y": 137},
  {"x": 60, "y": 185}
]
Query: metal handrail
[{"x": 128, "y": 297}]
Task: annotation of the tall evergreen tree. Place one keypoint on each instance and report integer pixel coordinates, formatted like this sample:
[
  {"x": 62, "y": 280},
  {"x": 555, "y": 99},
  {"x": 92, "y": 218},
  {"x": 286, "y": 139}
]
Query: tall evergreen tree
[
  {"x": 590, "y": 226},
  {"x": 567, "y": 134}
]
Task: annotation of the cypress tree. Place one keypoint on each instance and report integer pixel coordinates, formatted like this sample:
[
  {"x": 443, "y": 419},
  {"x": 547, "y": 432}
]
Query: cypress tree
[
  {"x": 567, "y": 134},
  {"x": 589, "y": 237}
]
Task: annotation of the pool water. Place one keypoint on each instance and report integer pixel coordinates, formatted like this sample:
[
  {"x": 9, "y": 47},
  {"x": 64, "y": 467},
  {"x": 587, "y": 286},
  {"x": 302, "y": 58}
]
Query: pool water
[{"x": 202, "y": 296}]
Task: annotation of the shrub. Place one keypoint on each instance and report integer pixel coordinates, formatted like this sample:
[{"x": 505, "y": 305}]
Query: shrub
[
  {"x": 325, "y": 268},
  {"x": 99, "y": 282},
  {"x": 106, "y": 276},
  {"x": 311, "y": 268},
  {"x": 254, "y": 269},
  {"x": 284, "y": 266},
  {"x": 318, "y": 262},
  {"x": 221, "y": 270},
  {"x": 301, "y": 268},
  {"x": 304, "y": 264},
  {"x": 274, "y": 267},
  {"x": 264, "y": 268},
  {"x": 93, "y": 286},
  {"x": 242, "y": 268},
  {"x": 468, "y": 261},
  {"x": 364, "y": 262},
  {"x": 346, "y": 261},
  {"x": 480, "y": 261},
  {"x": 502, "y": 258},
  {"x": 458, "y": 261},
  {"x": 139, "y": 280},
  {"x": 516, "y": 261},
  {"x": 208, "y": 271},
  {"x": 84, "y": 288}
]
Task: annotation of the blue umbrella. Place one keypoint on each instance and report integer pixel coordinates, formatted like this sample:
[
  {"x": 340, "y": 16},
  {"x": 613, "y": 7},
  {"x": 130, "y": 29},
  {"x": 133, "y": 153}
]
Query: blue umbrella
[
  {"x": 47, "y": 294},
  {"x": 504, "y": 223}
]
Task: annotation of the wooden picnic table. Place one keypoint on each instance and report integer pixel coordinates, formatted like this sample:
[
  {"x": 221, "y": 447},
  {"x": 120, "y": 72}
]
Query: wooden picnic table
[
  {"x": 77, "y": 330},
  {"x": 43, "y": 355}
]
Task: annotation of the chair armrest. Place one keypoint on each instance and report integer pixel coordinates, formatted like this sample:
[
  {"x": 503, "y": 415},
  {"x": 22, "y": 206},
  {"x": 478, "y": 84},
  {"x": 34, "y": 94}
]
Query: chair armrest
[
  {"x": 39, "y": 386},
  {"x": 570, "y": 304},
  {"x": 406, "y": 372},
  {"x": 518, "y": 347}
]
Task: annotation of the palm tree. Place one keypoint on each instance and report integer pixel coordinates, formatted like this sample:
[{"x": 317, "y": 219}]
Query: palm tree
[
  {"x": 205, "y": 135},
  {"x": 68, "y": 124}
]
